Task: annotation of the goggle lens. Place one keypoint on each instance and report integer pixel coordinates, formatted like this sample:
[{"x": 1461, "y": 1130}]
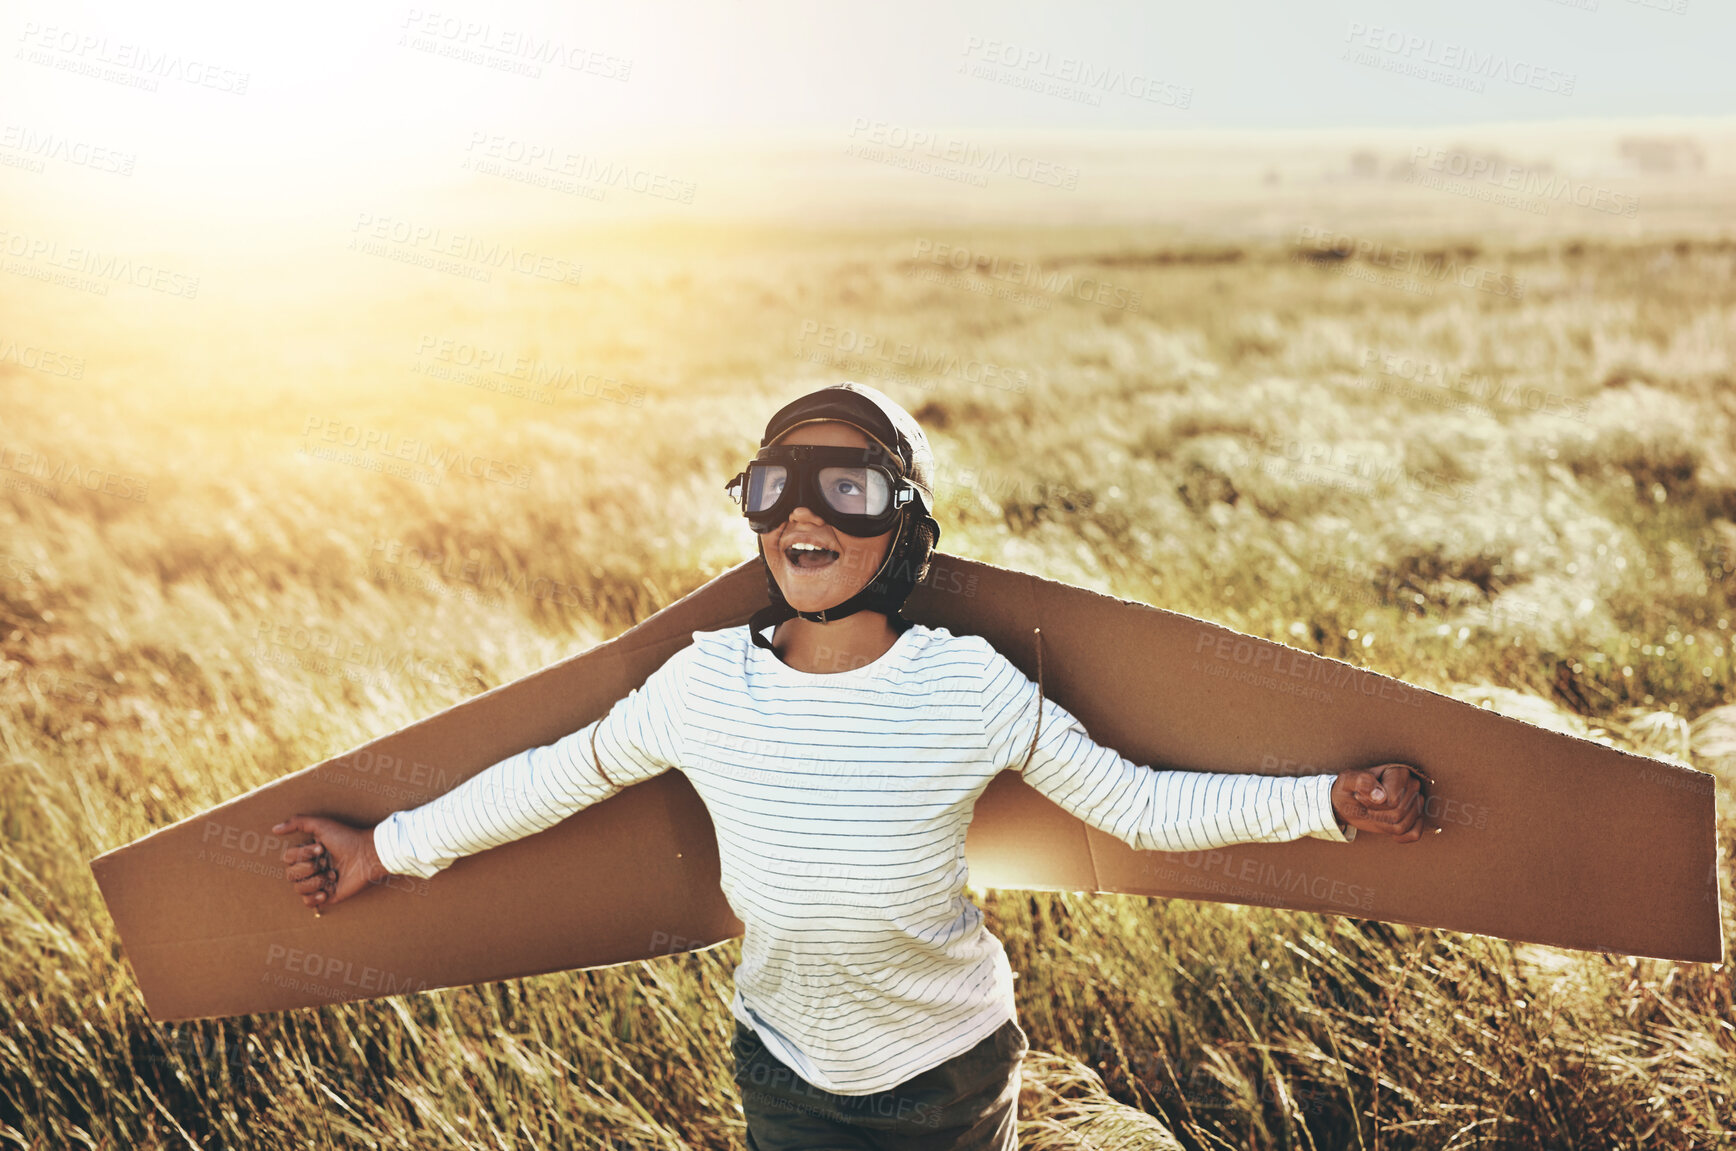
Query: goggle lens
[
  {"x": 855, "y": 491},
  {"x": 765, "y": 483},
  {"x": 852, "y": 491}
]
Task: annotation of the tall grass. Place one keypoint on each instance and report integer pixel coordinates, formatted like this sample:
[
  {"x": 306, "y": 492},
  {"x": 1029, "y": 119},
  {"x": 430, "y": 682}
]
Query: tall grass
[{"x": 1249, "y": 446}]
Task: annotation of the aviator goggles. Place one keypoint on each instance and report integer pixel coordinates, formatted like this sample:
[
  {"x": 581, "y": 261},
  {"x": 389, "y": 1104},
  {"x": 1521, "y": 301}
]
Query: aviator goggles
[{"x": 855, "y": 490}]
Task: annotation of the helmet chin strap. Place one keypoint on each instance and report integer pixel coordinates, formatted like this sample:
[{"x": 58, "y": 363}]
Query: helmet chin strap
[{"x": 780, "y": 610}]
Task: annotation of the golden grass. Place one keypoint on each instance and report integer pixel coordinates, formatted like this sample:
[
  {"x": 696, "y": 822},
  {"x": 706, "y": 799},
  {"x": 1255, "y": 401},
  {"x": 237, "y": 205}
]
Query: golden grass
[{"x": 1527, "y": 501}]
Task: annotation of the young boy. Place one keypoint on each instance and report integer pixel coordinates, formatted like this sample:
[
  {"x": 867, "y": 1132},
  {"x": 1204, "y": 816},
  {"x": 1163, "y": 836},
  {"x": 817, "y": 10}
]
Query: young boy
[{"x": 840, "y": 761}]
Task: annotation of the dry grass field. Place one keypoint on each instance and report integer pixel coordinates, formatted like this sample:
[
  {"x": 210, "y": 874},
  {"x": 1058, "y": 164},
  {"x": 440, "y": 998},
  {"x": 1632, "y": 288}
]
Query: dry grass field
[{"x": 1499, "y": 465}]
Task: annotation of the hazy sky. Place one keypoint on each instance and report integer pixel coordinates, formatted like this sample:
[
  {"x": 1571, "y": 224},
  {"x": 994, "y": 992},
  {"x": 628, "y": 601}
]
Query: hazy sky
[{"x": 302, "y": 94}]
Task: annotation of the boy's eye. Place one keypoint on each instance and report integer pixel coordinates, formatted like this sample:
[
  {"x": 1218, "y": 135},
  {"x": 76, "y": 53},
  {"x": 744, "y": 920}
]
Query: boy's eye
[
  {"x": 855, "y": 491},
  {"x": 845, "y": 489},
  {"x": 764, "y": 486}
]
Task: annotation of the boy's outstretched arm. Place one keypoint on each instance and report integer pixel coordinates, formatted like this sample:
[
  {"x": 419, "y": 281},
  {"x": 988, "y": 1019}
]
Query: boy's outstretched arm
[
  {"x": 518, "y": 796},
  {"x": 1172, "y": 810}
]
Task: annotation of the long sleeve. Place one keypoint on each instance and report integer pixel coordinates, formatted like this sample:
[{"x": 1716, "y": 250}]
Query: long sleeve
[
  {"x": 639, "y": 738},
  {"x": 1148, "y": 809}
]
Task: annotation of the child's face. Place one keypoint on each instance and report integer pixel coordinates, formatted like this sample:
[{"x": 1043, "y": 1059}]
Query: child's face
[{"x": 810, "y": 580}]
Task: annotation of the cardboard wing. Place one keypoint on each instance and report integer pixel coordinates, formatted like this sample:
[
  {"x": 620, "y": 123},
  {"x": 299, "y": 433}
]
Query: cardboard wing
[{"x": 1545, "y": 837}]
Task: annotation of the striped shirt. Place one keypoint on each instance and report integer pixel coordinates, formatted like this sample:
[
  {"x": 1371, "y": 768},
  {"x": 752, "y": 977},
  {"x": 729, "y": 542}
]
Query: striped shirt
[{"x": 840, "y": 803}]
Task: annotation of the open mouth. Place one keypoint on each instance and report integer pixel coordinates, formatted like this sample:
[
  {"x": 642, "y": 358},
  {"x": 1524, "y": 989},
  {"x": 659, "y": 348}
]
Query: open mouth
[{"x": 809, "y": 556}]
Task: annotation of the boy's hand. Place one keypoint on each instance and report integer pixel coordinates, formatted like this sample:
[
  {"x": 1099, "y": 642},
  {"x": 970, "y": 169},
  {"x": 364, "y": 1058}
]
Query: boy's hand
[
  {"x": 1386, "y": 800},
  {"x": 338, "y": 863}
]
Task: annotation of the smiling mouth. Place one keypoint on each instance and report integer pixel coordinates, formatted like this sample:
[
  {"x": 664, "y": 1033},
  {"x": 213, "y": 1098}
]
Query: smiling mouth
[{"x": 808, "y": 556}]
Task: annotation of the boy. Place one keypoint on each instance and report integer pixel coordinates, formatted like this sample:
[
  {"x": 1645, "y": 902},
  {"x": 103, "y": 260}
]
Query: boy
[{"x": 840, "y": 760}]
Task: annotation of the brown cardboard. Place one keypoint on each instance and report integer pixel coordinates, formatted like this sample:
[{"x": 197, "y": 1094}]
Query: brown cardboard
[{"x": 1546, "y": 838}]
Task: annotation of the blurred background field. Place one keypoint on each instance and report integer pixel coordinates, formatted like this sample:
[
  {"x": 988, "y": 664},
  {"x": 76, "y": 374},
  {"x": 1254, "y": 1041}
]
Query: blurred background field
[{"x": 1285, "y": 384}]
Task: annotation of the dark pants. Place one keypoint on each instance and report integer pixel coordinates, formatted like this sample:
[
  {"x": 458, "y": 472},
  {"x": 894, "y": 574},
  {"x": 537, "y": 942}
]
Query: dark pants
[{"x": 968, "y": 1103}]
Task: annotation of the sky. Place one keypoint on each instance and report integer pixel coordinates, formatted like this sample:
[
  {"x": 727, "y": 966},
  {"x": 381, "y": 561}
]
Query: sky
[{"x": 224, "y": 101}]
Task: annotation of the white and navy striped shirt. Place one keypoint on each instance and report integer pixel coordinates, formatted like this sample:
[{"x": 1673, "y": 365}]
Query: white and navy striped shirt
[{"x": 840, "y": 803}]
